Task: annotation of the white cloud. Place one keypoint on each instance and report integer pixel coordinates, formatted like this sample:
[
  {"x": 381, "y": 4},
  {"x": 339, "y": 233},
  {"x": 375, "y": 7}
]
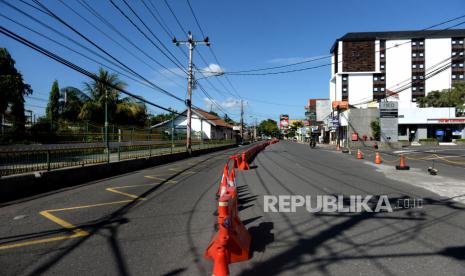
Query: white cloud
[
  {"x": 212, "y": 70},
  {"x": 228, "y": 104},
  {"x": 289, "y": 60}
]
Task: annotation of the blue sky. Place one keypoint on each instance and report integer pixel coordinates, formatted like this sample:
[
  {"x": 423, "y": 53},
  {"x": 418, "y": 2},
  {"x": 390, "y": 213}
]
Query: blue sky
[{"x": 244, "y": 35}]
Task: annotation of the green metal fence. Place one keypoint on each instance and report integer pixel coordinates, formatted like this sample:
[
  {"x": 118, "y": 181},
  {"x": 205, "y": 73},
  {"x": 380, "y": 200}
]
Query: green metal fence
[{"x": 16, "y": 162}]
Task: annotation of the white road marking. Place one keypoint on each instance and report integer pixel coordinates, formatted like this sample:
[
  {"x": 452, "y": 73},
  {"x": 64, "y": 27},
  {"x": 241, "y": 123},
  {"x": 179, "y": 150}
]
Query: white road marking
[{"x": 442, "y": 185}]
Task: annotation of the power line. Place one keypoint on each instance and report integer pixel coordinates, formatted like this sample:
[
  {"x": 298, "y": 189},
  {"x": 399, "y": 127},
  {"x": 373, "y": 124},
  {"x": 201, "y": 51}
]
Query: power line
[
  {"x": 250, "y": 72},
  {"x": 114, "y": 29},
  {"x": 53, "y": 15},
  {"x": 159, "y": 21},
  {"x": 116, "y": 41},
  {"x": 412, "y": 83},
  {"x": 200, "y": 55},
  {"x": 73, "y": 66},
  {"x": 213, "y": 54},
  {"x": 175, "y": 17},
  {"x": 177, "y": 62},
  {"x": 75, "y": 51}
]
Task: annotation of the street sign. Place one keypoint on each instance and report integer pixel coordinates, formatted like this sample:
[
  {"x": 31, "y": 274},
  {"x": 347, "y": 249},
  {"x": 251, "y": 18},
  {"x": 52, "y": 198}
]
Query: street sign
[
  {"x": 389, "y": 114},
  {"x": 388, "y": 110}
]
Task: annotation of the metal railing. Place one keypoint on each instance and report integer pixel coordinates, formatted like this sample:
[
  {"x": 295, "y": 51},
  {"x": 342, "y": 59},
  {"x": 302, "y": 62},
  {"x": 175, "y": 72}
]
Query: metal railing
[{"x": 24, "y": 161}]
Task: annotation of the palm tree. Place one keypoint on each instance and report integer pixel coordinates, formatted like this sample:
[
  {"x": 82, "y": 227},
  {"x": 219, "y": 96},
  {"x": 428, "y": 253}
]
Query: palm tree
[
  {"x": 104, "y": 93},
  {"x": 101, "y": 92}
]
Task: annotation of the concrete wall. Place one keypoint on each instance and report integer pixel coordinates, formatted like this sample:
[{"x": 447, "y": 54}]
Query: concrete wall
[
  {"x": 360, "y": 88},
  {"x": 20, "y": 186},
  {"x": 360, "y": 120},
  {"x": 438, "y": 53},
  {"x": 399, "y": 69},
  {"x": 416, "y": 115}
]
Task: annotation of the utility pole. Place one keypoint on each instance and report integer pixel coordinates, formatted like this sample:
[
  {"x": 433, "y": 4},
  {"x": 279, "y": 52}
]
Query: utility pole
[
  {"x": 191, "y": 43},
  {"x": 255, "y": 130},
  {"x": 242, "y": 121},
  {"x": 107, "y": 142}
]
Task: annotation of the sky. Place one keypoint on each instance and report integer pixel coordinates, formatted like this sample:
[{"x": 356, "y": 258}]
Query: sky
[{"x": 244, "y": 35}]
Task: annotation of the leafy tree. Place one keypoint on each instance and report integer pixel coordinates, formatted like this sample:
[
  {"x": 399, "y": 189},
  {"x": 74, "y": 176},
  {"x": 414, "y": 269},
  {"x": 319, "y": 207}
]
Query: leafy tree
[
  {"x": 12, "y": 92},
  {"x": 228, "y": 120},
  {"x": 71, "y": 102},
  {"x": 53, "y": 103},
  {"x": 454, "y": 97},
  {"x": 129, "y": 112},
  {"x": 375, "y": 129},
  {"x": 159, "y": 118},
  {"x": 269, "y": 127},
  {"x": 293, "y": 128},
  {"x": 214, "y": 113},
  {"x": 297, "y": 124}
]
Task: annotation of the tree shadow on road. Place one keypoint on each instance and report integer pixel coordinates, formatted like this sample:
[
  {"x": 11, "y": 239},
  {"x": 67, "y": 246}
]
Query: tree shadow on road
[{"x": 261, "y": 237}]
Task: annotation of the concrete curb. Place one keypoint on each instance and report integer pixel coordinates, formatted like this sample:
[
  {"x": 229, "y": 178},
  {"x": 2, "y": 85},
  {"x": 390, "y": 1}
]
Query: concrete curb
[{"x": 26, "y": 185}]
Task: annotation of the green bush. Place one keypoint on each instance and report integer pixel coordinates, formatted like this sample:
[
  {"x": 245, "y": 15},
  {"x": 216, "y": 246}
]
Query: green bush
[{"x": 428, "y": 140}]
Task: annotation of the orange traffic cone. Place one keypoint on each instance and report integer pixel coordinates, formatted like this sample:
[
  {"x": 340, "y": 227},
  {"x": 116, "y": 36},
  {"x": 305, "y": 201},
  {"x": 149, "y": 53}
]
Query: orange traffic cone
[
  {"x": 359, "y": 154},
  {"x": 220, "y": 264},
  {"x": 402, "y": 165},
  {"x": 224, "y": 179},
  {"x": 378, "y": 158},
  {"x": 244, "y": 166}
]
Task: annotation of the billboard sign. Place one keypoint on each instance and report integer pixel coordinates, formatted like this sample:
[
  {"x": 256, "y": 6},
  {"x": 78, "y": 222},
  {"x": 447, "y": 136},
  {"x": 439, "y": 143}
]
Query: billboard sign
[{"x": 283, "y": 122}]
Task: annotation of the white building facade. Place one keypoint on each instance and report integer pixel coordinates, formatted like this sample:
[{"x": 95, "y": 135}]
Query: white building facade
[
  {"x": 204, "y": 126},
  {"x": 401, "y": 66}
]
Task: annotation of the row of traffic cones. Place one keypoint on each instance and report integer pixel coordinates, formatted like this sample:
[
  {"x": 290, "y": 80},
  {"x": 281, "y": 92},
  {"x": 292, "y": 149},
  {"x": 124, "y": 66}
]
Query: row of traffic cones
[
  {"x": 402, "y": 164},
  {"x": 232, "y": 242}
]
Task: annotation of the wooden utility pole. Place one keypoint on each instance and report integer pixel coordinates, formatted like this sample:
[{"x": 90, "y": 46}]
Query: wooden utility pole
[{"x": 191, "y": 43}]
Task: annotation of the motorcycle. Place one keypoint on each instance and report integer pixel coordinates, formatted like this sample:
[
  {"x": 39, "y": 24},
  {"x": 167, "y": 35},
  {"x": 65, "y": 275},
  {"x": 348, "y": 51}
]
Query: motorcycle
[{"x": 312, "y": 143}]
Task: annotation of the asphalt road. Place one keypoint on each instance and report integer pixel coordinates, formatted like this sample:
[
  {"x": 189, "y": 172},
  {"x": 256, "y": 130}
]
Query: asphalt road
[{"x": 100, "y": 229}]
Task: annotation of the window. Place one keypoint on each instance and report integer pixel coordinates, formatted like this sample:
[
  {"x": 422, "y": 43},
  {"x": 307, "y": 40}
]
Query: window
[
  {"x": 454, "y": 53},
  {"x": 454, "y": 41},
  {"x": 414, "y": 66},
  {"x": 414, "y": 43},
  {"x": 382, "y": 66},
  {"x": 344, "y": 89},
  {"x": 461, "y": 41},
  {"x": 421, "y": 88},
  {"x": 375, "y": 89},
  {"x": 421, "y": 43},
  {"x": 382, "y": 89},
  {"x": 382, "y": 77},
  {"x": 454, "y": 77},
  {"x": 421, "y": 77},
  {"x": 421, "y": 54},
  {"x": 344, "y": 78},
  {"x": 414, "y": 54},
  {"x": 375, "y": 78},
  {"x": 454, "y": 65},
  {"x": 381, "y": 55},
  {"x": 461, "y": 53},
  {"x": 414, "y": 77},
  {"x": 461, "y": 77},
  {"x": 421, "y": 66},
  {"x": 414, "y": 88},
  {"x": 461, "y": 65}
]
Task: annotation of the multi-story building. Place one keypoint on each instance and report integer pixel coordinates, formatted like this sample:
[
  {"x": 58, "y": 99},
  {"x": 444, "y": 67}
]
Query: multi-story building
[
  {"x": 401, "y": 66},
  {"x": 318, "y": 117}
]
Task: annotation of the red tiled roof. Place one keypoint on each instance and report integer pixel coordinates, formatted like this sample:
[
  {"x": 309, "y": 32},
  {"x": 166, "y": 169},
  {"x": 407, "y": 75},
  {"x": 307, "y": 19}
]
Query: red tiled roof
[{"x": 212, "y": 118}]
